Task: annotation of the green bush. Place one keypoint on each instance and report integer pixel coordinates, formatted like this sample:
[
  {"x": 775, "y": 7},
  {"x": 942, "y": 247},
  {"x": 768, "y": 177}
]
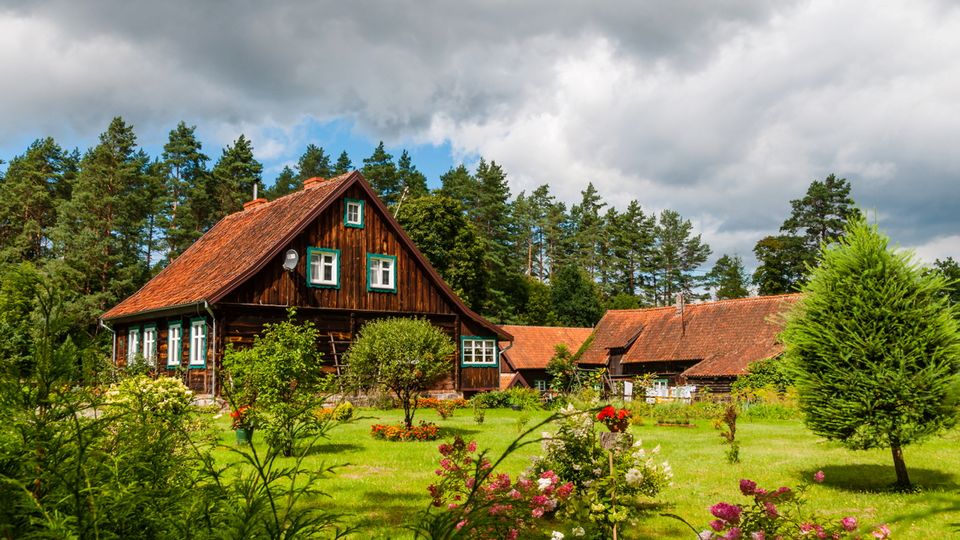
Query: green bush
[{"x": 513, "y": 398}]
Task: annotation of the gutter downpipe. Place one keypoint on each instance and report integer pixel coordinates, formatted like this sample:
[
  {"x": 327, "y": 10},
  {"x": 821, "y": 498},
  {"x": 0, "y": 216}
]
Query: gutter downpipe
[
  {"x": 213, "y": 382},
  {"x": 113, "y": 353}
]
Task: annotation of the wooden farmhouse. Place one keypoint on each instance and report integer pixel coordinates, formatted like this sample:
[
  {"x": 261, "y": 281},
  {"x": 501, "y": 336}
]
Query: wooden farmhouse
[
  {"x": 524, "y": 361},
  {"x": 333, "y": 251},
  {"x": 706, "y": 345}
]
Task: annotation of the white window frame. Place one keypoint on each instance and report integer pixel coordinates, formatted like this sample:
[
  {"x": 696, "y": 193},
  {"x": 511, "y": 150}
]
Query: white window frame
[
  {"x": 376, "y": 272},
  {"x": 133, "y": 343},
  {"x": 150, "y": 344},
  {"x": 540, "y": 385},
  {"x": 349, "y": 220},
  {"x": 198, "y": 343},
  {"x": 318, "y": 260},
  {"x": 174, "y": 344},
  {"x": 478, "y": 351}
]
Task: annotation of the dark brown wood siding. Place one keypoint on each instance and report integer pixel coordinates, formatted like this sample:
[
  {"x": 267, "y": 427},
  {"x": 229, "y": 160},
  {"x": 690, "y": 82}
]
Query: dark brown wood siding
[
  {"x": 198, "y": 379},
  {"x": 415, "y": 292}
]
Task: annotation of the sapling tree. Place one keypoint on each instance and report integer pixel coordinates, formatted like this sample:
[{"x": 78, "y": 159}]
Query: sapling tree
[
  {"x": 403, "y": 356},
  {"x": 875, "y": 347}
]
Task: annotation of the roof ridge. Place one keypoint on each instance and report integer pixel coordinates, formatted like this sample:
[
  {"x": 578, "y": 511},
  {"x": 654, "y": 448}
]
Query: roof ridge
[
  {"x": 545, "y": 326},
  {"x": 297, "y": 192},
  {"x": 710, "y": 303}
]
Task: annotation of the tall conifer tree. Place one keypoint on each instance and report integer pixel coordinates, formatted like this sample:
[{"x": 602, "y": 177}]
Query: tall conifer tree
[
  {"x": 189, "y": 193},
  {"x": 313, "y": 163},
  {"x": 343, "y": 164},
  {"x": 234, "y": 176},
  {"x": 380, "y": 170}
]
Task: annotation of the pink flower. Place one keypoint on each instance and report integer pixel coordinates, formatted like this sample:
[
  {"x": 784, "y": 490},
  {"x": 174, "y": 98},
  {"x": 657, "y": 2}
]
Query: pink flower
[
  {"x": 539, "y": 500},
  {"x": 849, "y": 523},
  {"x": 771, "y": 509},
  {"x": 471, "y": 482},
  {"x": 461, "y": 524},
  {"x": 759, "y": 535},
  {"x": 537, "y": 512},
  {"x": 727, "y": 512},
  {"x": 806, "y": 527},
  {"x": 446, "y": 449},
  {"x": 452, "y": 506},
  {"x": 717, "y": 525},
  {"x": 818, "y": 477},
  {"x": 882, "y": 532},
  {"x": 512, "y": 534},
  {"x": 472, "y": 447},
  {"x": 733, "y": 534},
  {"x": 565, "y": 490},
  {"x": 514, "y": 494},
  {"x": 748, "y": 487}
]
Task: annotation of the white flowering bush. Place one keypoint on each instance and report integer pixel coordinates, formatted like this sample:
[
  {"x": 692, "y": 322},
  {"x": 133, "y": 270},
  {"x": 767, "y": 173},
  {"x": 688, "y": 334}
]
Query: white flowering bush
[
  {"x": 603, "y": 498},
  {"x": 164, "y": 397}
]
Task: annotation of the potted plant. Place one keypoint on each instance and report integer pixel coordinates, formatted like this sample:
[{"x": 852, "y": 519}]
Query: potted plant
[
  {"x": 616, "y": 420},
  {"x": 242, "y": 424}
]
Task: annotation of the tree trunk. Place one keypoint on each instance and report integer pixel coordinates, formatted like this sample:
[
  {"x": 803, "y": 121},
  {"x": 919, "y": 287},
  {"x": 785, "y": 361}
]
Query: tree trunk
[{"x": 903, "y": 480}]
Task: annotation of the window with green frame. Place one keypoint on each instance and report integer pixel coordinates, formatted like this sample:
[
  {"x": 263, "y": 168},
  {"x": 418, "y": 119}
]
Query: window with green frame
[
  {"x": 150, "y": 344},
  {"x": 133, "y": 342},
  {"x": 478, "y": 351},
  {"x": 323, "y": 267},
  {"x": 198, "y": 342},
  {"x": 174, "y": 344},
  {"x": 353, "y": 213},
  {"x": 381, "y": 273}
]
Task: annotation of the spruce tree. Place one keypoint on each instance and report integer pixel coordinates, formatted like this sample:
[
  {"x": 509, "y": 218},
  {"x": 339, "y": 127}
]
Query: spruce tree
[
  {"x": 678, "y": 253},
  {"x": 412, "y": 183},
  {"x": 575, "y": 300},
  {"x": 313, "y": 163},
  {"x": 728, "y": 278},
  {"x": 380, "y": 170},
  {"x": 588, "y": 230},
  {"x": 461, "y": 186},
  {"x": 343, "y": 164},
  {"x": 875, "y": 347}
]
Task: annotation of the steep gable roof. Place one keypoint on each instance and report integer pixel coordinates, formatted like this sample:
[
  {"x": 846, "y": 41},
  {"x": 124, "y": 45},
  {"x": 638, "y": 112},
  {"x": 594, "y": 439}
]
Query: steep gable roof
[
  {"x": 534, "y": 346},
  {"x": 242, "y": 243},
  {"x": 723, "y": 337}
]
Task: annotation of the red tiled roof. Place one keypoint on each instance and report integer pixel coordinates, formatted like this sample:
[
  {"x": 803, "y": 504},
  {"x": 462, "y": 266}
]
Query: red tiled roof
[
  {"x": 233, "y": 249},
  {"x": 725, "y": 337},
  {"x": 534, "y": 346}
]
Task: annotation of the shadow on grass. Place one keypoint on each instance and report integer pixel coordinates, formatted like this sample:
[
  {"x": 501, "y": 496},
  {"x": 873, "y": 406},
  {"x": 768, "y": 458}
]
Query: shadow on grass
[
  {"x": 880, "y": 478},
  {"x": 333, "y": 448},
  {"x": 447, "y": 431},
  {"x": 390, "y": 509}
]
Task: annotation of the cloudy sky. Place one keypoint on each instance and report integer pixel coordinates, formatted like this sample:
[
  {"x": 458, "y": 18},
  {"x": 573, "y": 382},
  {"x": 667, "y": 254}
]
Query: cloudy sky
[{"x": 724, "y": 110}]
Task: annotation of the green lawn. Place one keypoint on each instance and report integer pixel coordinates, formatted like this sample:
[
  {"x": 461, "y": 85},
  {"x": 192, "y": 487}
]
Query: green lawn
[{"x": 382, "y": 485}]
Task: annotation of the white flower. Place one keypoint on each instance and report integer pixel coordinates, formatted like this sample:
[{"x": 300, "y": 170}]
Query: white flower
[
  {"x": 578, "y": 531},
  {"x": 656, "y": 449},
  {"x": 544, "y": 483},
  {"x": 557, "y": 535},
  {"x": 634, "y": 477}
]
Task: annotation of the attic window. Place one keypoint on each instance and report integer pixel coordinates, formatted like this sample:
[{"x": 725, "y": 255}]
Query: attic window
[
  {"x": 353, "y": 213},
  {"x": 478, "y": 351},
  {"x": 381, "y": 273},
  {"x": 324, "y": 267}
]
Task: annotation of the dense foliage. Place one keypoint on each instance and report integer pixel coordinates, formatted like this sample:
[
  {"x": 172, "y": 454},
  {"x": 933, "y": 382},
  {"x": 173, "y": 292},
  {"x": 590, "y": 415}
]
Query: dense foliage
[
  {"x": 281, "y": 379},
  {"x": 876, "y": 347}
]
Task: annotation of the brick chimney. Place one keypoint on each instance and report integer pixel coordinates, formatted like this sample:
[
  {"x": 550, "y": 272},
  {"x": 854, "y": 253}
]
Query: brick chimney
[
  {"x": 313, "y": 182},
  {"x": 250, "y": 205}
]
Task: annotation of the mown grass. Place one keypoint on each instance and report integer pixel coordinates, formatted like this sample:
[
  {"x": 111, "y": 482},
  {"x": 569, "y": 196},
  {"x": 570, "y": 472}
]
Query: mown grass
[{"x": 381, "y": 485}]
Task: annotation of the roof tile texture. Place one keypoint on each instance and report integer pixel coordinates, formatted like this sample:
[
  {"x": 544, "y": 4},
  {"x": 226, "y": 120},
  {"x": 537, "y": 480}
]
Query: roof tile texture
[
  {"x": 233, "y": 247},
  {"x": 534, "y": 346},
  {"x": 724, "y": 336}
]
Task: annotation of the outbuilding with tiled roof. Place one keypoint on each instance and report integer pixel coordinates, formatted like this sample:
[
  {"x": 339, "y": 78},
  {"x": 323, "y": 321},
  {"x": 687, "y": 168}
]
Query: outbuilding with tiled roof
[
  {"x": 707, "y": 345},
  {"x": 333, "y": 251},
  {"x": 531, "y": 350}
]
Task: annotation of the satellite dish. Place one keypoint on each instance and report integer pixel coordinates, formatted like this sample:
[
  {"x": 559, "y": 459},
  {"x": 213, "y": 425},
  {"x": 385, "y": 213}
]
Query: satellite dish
[{"x": 290, "y": 260}]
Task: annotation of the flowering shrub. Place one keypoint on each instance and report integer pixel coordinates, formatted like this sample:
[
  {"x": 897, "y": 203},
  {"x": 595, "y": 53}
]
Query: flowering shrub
[
  {"x": 426, "y": 431},
  {"x": 490, "y": 505},
  {"x": 241, "y": 418},
  {"x": 778, "y": 513},
  {"x": 432, "y": 403},
  {"x": 616, "y": 420},
  {"x": 604, "y": 497},
  {"x": 165, "y": 397}
]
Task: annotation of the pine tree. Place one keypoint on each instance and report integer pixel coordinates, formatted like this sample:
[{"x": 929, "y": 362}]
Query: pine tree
[
  {"x": 574, "y": 298},
  {"x": 234, "y": 176},
  {"x": 728, "y": 278},
  {"x": 189, "y": 189},
  {"x": 313, "y": 163},
  {"x": 98, "y": 237},
  {"x": 285, "y": 184},
  {"x": 588, "y": 230},
  {"x": 876, "y": 347},
  {"x": 678, "y": 254},
  {"x": 343, "y": 165},
  {"x": 412, "y": 182},
  {"x": 380, "y": 170},
  {"x": 493, "y": 221},
  {"x": 819, "y": 217},
  {"x": 461, "y": 186},
  {"x": 31, "y": 188},
  {"x": 633, "y": 238}
]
